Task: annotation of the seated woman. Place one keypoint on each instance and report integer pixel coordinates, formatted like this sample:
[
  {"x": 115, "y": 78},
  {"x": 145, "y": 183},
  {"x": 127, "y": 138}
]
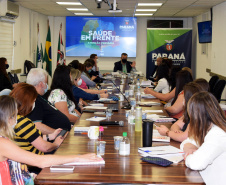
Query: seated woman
[
  {"x": 5, "y": 82},
  {"x": 162, "y": 79},
  {"x": 60, "y": 94},
  {"x": 79, "y": 93},
  {"x": 205, "y": 148},
  {"x": 27, "y": 136},
  {"x": 175, "y": 109},
  {"x": 179, "y": 130},
  {"x": 85, "y": 69},
  {"x": 12, "y": 157}
]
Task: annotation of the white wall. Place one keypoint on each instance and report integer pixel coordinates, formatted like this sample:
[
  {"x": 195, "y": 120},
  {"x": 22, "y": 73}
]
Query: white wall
[{"x": 26, "y": 38}]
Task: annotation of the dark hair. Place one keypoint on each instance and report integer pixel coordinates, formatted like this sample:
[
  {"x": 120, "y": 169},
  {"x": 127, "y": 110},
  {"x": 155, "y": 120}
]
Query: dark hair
[
  {"x": 172, "y": 78},
  {"x": 204, "y": 110},
  {"x": 89, "y": 62},
  {"x": 189, "y": 89},
  {"x": 203, "y": 83},
  {"x": 182, "y": 78},
  {"x": 74, "y": 64},
  {"x": 168, "y": 62},
  {"x": 61, "y": 80},
  {"x": 25, "y": 95},
  {"x": 3, "y": 67},
  {"x": 125, "y": 54},
  {"x": 92, "y": 56},
  {"x": 162, "y": 72}
]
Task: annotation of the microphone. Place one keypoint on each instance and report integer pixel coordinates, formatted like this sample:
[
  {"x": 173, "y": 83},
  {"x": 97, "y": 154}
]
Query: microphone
[{"x": 128, "y": 106}]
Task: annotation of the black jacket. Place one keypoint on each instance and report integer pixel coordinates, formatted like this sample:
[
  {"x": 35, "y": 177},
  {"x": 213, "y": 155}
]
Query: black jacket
[{"x": 118, "y": 66}]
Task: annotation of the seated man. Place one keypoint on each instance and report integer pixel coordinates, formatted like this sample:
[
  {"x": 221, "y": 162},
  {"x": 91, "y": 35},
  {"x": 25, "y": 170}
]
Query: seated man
[
  {"x": 44, "y": 112},
  {"x": 124, "y": 65}
]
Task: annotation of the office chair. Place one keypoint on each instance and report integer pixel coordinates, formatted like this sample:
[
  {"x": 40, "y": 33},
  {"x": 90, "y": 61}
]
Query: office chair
[
  {"x": 212, "y": 82},
  {"x": 218, "y": 89}
]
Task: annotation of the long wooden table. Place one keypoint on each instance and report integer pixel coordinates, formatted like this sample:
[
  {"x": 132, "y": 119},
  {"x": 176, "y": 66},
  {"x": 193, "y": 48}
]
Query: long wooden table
[{"x": 117, "y": 169}]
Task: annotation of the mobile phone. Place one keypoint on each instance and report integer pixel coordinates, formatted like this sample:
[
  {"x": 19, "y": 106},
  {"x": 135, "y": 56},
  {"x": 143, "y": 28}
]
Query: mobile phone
[
  {"x": 157, "y": 160},
  {"x": 62, "y": 133},
  {"x": 61, "y": 168}
]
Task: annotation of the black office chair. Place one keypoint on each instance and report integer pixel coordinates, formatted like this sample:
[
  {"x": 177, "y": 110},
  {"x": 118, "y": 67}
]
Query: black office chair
[
  {"x": 212, "y": 82},
  {"x": 218, "y": 89}
]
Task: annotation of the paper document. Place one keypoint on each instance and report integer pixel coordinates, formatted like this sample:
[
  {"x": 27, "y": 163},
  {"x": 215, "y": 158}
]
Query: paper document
[
  {"x": 158, "y": 151},
  {"x": 95, "y": 118},
  {"x": 147, "y": 96},
  {"x": 151, "y": 111},
  {"x": 159, "y": 118},
  {"x": 104, "y": 99},
  {"x": 149, "y": 103},
  {"x": 87, "y": 163},
  {"x": 157, "y": 137},
  {"x": 93, "y": 107},
  {"x": 96, "y": 104},
  {"x": 81, "y": 129}
]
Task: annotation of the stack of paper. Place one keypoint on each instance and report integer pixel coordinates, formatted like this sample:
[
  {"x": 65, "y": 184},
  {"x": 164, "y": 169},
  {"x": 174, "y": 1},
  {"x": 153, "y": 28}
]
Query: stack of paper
[
  {"x": 146, "y": 84},
  {"x": 88, "y": 163},
  {"x": 95, "y": 118},
  {"x": 81, "y": 129},
  {"x": 147, "y": 96},
  {"x": 104, "y": 99},
  {"x": 170, "y": 153},
  {"x": 151, "y": 111},
  {"x": 150, "y": 103},
  {"x": 157, "y": 137},
  {"x": 95, "y": 107},
  {"x": 159, "y": 118}
]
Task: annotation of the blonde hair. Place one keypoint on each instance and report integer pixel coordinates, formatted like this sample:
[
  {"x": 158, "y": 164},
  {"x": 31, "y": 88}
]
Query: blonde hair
[
  {"x": 8, "y": 109},
  {"x": 75, "y": 74}
]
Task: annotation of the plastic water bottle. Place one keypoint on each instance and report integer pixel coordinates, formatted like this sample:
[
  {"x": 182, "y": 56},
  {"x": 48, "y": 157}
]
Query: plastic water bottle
[
  {"x": 138, "y": 94},
  {"x": 138, "y": 119},
  {"x": 138, "y": 83},
  {"x": 124, "y": 148}
]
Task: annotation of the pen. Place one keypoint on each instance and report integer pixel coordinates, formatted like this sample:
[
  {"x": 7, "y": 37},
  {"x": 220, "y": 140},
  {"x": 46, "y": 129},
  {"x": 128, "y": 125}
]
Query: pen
[
  {"x": 155, "y": 125},
  {"x": 153, "y": 150}
]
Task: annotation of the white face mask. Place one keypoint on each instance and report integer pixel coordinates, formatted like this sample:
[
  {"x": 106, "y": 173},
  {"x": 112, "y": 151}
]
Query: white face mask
[
  {"x": 33, "y": 107},
  {"x": 97, "y": 60},
  {"x": 156, "y": 63},
  {"x": 79, "y": 82}
]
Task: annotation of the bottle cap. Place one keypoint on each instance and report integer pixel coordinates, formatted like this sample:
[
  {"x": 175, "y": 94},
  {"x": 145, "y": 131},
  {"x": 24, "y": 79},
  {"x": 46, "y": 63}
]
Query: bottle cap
[
  {"x": 124, "y": 134},
  {"x": 101, "y": 128}
]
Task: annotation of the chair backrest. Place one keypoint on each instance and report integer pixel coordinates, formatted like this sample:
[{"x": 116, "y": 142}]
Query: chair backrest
[
  {"x": 27, "y": 66},
  {"x": 212, "y": 82},
  {"x": 218, "y": 89}
]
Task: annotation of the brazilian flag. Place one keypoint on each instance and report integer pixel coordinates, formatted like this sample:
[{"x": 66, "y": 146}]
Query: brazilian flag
[{"x": 48, "y": 56}]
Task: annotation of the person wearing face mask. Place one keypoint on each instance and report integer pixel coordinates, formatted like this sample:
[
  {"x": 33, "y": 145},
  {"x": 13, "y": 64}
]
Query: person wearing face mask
[
  {"x": 85, "y": 69},
  {"x": 46, "y": 117},
  {"x": 79, "y": 93},
  {"x": 27, "y": 136},
  {"x": 5, "y": 82},
  {"x": 13, "y": 159},
  {"x": 124, "y": 65}
]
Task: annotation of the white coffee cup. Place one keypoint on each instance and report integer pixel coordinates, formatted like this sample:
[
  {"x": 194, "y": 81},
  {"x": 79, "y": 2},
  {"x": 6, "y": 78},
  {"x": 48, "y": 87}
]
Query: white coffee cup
[{"x": 93, "y": 132}]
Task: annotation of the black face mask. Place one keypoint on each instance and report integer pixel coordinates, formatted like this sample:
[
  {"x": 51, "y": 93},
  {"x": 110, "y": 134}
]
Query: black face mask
[
  {"x": 7, "y": 66},
  {"x": 124, "y": 61}
]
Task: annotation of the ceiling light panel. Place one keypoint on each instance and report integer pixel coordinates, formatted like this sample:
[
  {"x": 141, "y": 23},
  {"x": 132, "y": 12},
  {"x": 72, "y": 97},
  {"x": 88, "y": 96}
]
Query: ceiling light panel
[
  {"x": 77, "y": 9},
  {"x": 149, "y": 4},
  {"x": 146, "y": 10},
  {"x": 69, "y": 3}
]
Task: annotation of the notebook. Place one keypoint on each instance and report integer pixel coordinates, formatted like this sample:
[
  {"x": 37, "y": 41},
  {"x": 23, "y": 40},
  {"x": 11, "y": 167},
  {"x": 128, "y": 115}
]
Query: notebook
[
  {"x": 157, "y": 137},
  {"x": 88, "y": 163}
]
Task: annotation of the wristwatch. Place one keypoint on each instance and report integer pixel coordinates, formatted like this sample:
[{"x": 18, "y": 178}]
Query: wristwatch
[{"x": 47, "y": 137}]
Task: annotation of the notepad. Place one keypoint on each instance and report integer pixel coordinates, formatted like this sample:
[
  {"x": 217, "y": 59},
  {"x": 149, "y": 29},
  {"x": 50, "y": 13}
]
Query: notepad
[
  {"x": 151, "y": 111},
  {"x": 88, "y": 163},
  {"x": 96, "y": 104},
  {"x": 95, "y": 118},
  {"x": 158, "y": 137},
  {"x": 170, "y": 153},
  {"x": 149, "y": 103},
  {"x": 81, "y": 129},
  {"x": 95, "y": 107}
]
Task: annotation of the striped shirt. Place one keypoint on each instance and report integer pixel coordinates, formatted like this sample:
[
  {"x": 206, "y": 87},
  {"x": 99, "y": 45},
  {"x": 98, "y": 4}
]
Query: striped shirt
[{"x": 25, "y": 134}]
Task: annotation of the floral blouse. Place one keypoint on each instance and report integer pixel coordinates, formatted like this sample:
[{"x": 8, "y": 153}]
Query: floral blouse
[{"x": 58, "y": 95}]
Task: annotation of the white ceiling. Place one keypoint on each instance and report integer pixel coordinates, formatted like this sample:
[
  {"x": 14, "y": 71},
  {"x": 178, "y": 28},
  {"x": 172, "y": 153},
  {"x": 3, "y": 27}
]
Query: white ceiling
[{"x": 170, "y": 8}]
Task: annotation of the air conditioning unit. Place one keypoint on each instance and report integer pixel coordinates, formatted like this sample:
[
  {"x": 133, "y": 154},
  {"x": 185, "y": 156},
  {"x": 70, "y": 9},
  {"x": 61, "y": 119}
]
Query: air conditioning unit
[{"x": 8, "y": 10}]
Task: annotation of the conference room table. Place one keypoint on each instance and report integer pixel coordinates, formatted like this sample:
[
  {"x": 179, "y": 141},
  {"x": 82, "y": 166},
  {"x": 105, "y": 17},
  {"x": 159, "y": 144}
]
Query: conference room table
[{"x": 117, "y": 169}]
